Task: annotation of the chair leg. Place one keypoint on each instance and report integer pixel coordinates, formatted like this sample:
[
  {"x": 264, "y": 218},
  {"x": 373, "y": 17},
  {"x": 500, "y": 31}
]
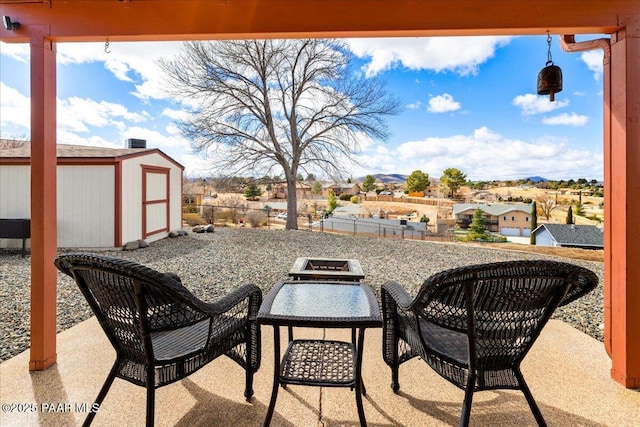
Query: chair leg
[
  {"x": 151, "y": 392},
  {"x": 248, "y": 368},
  {"x": 395, "y": 384},
  {"x": 532, "y": 403},
  {"x": 395, "y": 366},
  {"x": 248, "y": 390},
  {"x": 468, "y": 398},
  {"x": 101, "y": 395}
]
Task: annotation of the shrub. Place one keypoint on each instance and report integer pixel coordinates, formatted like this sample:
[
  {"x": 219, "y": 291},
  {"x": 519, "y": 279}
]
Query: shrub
[
  {"x": 255, "y": 218},
  {"x": 345, "y": 197},
  {"x": 225, "y": 215},
  {"x": 355, "y": 199},
  {"x": 192, "y": 219}
]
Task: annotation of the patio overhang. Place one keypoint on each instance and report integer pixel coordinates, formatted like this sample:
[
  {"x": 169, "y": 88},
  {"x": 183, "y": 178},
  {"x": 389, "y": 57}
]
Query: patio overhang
[
  {"x": 47, "y": 22},
  {"x": 205, "y": 19}
]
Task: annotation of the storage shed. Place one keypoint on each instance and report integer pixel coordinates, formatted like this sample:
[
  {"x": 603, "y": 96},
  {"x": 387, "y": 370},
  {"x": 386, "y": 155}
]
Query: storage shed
[{"x": 105, "y": 197}]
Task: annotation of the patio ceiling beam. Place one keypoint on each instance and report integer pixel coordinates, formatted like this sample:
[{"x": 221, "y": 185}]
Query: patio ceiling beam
[{"x": 91, "y": 20}]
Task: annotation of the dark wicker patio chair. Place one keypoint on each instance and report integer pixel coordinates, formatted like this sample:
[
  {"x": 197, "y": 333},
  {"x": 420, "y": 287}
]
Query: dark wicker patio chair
[
  {"x": 474, "y": 325},
  {"x": 161, "y": 332}
]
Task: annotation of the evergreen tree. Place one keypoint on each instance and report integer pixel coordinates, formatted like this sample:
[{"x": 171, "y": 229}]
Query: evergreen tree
[
  {"x": 534, "y": 222},
  {"x": 417, "y": 181},
  {"x": 368, "y": 183},
  {"x": 316, "y": 188},
  {"x": 452, "y": 179},
  {"x": 477, "y": 230},
  {"x": 570, "y": 216},
  {"x": 332, "y": 202},
  {"x": 252, "y": 192}
]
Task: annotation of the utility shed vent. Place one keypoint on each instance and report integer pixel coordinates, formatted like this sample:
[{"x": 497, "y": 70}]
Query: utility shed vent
[{"x": 136, "y": 143}]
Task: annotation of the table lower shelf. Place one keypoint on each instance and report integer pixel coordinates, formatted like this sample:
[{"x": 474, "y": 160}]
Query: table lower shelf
[{"x": 319, "y": 363}]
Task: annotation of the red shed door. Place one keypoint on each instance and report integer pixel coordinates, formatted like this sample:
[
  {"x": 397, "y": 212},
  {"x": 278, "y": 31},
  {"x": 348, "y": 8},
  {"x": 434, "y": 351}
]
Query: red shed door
[{"x": 155, "y": 200}]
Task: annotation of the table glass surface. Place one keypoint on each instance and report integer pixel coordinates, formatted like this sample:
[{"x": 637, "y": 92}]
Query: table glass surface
[{"x": 321, "y": 300}]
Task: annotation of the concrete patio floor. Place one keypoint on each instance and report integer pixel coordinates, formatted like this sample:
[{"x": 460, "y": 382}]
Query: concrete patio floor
[{"x": 567, "y": 372}]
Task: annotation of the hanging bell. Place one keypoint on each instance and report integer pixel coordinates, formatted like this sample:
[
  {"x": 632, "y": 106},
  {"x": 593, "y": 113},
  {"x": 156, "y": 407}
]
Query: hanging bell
[{"x": 550, "y": 80}]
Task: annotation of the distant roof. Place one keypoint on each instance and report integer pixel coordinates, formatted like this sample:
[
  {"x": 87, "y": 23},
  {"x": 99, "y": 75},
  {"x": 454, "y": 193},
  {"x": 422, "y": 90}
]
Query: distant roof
[
  {"x": 64, "y": 151},
  {"x": 492, "y": 208},
  {"x": 340, "y": 185},
  {"x": 574, "y": 235},
  {"x": 79, "y": 151}
]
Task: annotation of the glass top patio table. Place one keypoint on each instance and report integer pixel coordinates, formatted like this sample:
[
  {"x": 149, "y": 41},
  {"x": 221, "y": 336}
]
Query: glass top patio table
[{"x": 321, "y": 304}]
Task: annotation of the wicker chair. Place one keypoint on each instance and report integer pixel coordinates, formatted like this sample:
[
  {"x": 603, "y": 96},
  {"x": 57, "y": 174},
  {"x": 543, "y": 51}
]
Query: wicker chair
[
  {"x": 161, "y": 332},
  {"x": 474, "y": 325}
]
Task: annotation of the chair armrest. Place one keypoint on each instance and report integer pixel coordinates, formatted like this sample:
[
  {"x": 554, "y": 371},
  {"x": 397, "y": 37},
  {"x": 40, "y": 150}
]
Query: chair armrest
[
  {"x": 224, "y": 304},
  {"x": 400, "y": 296},
  {"x": 174, "y": 276}
]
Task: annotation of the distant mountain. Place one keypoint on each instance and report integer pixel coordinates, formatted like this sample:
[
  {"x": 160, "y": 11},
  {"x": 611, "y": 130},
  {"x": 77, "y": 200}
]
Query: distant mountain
[
  {"x": 388, "y": 178},
  {"x": 536, "y": 179}
]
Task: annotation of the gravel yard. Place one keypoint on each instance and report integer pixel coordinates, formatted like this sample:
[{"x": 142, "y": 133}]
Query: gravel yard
[{"x": 212, "y": 264}]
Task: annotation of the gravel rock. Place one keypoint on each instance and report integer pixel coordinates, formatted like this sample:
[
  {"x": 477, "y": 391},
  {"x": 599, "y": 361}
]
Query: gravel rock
[{"x": 212, "y": 264}]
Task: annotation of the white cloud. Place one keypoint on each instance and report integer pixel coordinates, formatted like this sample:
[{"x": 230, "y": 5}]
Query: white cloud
[
  {"x": 572, "y": 119},
  {"x": 76, "y": 114},
  {"x": 128, "y": 61},
  {"x": 414, "y": 105},
  {"x": 68, "y": 137},
  {"x": 175, "y": 114},
  {"x": 18, "y": 51},
  {"x": 593, "y": 59},
  {"x": 443, "y": 104},
  {"x": 169, "y": 143},
  {"x": 485, "y": 154},
  {"x": 15, "y": 107},
  {"x": 461, "y": 55},
  {"x": 531, "y": 104},
  {"x": 196, "y": 165}
]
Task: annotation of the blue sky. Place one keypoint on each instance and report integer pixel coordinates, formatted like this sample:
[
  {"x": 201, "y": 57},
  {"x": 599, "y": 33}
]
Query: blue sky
[{"x": 468, "y": 103}]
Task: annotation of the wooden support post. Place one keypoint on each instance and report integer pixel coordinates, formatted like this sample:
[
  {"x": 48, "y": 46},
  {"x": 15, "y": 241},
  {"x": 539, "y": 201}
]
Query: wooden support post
[
  {"x": 622, "y": 186},
  {"x": 43, "y": 201}
]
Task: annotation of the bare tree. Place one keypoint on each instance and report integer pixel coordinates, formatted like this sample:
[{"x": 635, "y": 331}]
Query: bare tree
[
  {"x": 235, "y": 203},
  {"x": 12, "y": 143},
  {"x": 546, "y": 205},
  {"x": 286, "y": 106}
]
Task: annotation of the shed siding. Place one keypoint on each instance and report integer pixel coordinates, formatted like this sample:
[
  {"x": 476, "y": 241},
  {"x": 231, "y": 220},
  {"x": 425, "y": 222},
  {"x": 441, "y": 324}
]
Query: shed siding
[
  {"x": 131, "y": 200},
  {"x": 86, "y": 206},
  {"x": 15, "y": 188}
]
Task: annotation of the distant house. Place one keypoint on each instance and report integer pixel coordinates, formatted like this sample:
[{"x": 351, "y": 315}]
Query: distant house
[
  {"x": 106, "y": 197},
  {"x": 341, "y": 188},
  {"x": 569, "y": 236},
  {"x": 506, "y": 219},
  {"x": 279, "y": 190},
  {"x": 193, "y": 193}
]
